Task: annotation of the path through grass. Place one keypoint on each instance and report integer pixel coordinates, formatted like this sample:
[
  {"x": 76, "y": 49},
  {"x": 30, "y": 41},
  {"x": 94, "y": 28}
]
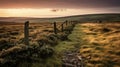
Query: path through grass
[{"x": 73, "y": 42}]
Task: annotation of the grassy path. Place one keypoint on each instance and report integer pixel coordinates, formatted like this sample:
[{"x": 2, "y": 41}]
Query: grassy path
[
  {"x": 69, "y": 49},
  {"x": 73, "y": 42}
]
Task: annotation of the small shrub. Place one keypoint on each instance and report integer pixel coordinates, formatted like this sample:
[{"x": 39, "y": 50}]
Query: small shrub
[
  {"x": 68, "y": 29},
  {"x": 4, "y": 35},
  {"x": 53, "y": 39},
  {"x": 118, "y": 53},
  {"x": 1, "y": 31},
  {"x": 98, "y": 48},
  {"x": 14, "y": 33},
  {"x": 43, "y": 41},
  {"x": 13, "y": 37},
  {"x": 21, "y": 40},
  {"x": 95, "y": 61},
  {"x": 91, "y": 29},
  {"x": 48, "y": 31},
  {"x": 108, "y": 63},
  {"x": 95, "y": 43},
  {"x": 106, "y": 30},
  {"x": 4, "y": 44},
  {"x": 63, "y": 36},
  {"x": 46, "y": 51},
  {"x": 8, "y": 64},
  {"x": 111, "y": 52},
  {"x": 96, "y": 55}
]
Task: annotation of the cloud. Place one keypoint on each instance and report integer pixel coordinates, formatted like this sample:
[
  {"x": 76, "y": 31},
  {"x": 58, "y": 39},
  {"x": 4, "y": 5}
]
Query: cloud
[
  {"x": 58, "y": 10},
  {"x": 59, "y": 3}
]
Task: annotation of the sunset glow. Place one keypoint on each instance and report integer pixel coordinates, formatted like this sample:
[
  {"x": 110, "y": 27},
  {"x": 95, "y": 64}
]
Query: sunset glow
[
  {"x": 56, "y": 8},
  {"x": 25, "y": 12}
]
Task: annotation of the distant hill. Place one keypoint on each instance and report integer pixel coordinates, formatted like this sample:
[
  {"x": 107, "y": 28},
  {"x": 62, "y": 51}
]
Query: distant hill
[{"x": 88, "y": 17}]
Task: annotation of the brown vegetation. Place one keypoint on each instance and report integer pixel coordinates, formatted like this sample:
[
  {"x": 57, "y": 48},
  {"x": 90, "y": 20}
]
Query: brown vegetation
[{"x": 102, "y": 43}]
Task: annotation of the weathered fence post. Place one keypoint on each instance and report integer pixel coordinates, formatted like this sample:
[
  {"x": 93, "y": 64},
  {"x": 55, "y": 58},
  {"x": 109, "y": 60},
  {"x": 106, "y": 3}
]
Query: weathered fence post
[
  {"x": 55, "y": 28},
  {"x": 62, "y": 27},
  {"x": 26, "y": 33}
]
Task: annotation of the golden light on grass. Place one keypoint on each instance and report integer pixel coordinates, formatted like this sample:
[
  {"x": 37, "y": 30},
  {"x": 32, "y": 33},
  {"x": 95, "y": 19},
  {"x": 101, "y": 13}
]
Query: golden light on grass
[{"x": 104, "y": 44}]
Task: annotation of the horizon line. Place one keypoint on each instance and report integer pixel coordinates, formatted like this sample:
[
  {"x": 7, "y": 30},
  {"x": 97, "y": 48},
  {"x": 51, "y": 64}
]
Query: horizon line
[{"x": 60, "y": 16}]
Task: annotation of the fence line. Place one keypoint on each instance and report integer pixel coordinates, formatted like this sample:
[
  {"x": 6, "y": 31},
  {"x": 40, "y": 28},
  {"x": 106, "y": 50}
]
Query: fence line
[
  {"x": 17, "y": 49},
  {"x": 65, "y": 24},
  {"x": 62, "y": 27}
]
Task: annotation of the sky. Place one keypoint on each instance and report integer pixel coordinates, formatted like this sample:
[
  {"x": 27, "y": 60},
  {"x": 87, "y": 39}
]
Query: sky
[{"x": 56, "y": 8}]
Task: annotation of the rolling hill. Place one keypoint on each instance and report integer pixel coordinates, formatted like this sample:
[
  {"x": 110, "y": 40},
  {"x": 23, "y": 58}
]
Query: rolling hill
[{"x": 88, "y": 17}]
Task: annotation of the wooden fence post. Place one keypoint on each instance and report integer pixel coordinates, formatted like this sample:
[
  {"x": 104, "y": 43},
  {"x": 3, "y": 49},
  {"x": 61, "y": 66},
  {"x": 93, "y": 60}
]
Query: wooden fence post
[
  {"x": 55, "y": 28},
  {"x": 26, "y": 33}
]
